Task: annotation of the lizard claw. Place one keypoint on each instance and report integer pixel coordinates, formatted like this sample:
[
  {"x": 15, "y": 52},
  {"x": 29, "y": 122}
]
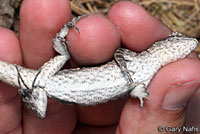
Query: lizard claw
[
  {"x": 71, "y": 24},
  {"x": 140, "y": 92},
  {"x": 74, "y": 21}
]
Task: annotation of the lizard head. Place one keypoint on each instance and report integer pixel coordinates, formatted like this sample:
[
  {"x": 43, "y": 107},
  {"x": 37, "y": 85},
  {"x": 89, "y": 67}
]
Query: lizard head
[{"x": 174, "y": 47}]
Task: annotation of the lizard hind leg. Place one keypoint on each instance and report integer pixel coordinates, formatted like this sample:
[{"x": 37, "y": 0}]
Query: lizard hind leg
[
  {"x": 59, "y": 41},
  {"x": 35, "y": 100},
  {"x": 35, "y": 97},
  {"x": 60, "y": 45}
]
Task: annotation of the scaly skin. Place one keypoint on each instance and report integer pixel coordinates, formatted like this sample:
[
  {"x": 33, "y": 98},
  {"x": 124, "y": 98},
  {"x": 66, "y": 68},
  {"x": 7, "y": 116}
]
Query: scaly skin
[{"x": 131, "y": 72}]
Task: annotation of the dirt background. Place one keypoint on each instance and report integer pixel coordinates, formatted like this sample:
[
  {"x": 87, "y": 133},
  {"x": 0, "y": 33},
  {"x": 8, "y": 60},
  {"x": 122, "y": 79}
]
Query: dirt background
[{"x": 179, "y": 15}]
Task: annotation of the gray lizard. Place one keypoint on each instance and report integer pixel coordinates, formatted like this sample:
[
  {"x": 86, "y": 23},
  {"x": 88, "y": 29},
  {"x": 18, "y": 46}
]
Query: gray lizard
[{"x": 129, "y": 73}]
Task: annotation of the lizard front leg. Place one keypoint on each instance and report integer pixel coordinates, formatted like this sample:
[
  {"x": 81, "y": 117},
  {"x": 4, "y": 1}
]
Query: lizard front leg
[
  {"x": 122, "y": 56},
  {"x": 140, "y": 92}
]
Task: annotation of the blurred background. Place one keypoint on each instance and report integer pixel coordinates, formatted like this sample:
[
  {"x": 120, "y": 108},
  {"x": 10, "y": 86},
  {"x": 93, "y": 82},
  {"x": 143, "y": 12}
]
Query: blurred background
[{"x": 179, "y": 15}]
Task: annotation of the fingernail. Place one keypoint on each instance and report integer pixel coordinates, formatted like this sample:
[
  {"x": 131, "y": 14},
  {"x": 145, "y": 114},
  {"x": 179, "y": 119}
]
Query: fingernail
[{"x": 179, "y": 95}]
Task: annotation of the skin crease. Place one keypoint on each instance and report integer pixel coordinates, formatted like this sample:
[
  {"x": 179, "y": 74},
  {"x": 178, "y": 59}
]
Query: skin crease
[{"x": 37, "y": 28}]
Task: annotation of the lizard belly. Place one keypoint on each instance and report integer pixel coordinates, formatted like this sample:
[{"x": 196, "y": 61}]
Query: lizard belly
[{"x": 88, "y": 86}]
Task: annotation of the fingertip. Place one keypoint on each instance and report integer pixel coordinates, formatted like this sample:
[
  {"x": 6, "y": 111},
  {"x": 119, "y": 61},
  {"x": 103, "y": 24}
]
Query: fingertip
[
  {"x": 138, "y": 29},
  {"x": 175, "y": 84},
  {"x": 44, "y": 15},
  {"x": 39, "y": 22},
  {"x": 9, "y": 46},
  {"x": 97, "y": 41},
  {"x": 10, "y": 104}
]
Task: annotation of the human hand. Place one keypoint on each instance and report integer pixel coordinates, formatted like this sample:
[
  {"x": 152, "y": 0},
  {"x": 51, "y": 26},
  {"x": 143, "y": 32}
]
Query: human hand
[{"x": 172, "y": 86}]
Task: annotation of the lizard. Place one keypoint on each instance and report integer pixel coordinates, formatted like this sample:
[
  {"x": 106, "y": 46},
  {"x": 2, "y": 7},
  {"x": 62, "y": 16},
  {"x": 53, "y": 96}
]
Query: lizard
[{"x": 128, "y": 73}]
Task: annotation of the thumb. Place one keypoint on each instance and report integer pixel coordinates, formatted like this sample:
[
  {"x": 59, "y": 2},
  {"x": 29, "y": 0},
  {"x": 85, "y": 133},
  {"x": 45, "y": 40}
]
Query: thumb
[
  {"x": 170, "y": 91},
  {"x": 172, "y": 86}
]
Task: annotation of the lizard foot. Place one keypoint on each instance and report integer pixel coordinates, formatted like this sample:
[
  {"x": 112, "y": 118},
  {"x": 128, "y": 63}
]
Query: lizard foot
[
  {"x": 35, "y": 100},
  {"x": 59, "y": 41},
  {"x": 140, "y": 92},
  {"x": 74, "y": 21},
  {"x": 34, "y": 96},
  {"x": 122, "y": 56}
]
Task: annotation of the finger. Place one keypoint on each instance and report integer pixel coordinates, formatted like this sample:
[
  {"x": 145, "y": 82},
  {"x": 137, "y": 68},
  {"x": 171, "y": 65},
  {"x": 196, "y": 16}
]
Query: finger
[
  {"x": 169, "y": 94},
  {"x": 96, "y": 44},
  {"x": 138, "y": 29},
  {"x": 10, "y": 103},
  {"x": 40, "y": 20},
  {"x": 193, "y": 110},
  {"x": 86, "y": 129},
  {"x": 154, "y": 113},
  {"x": 101, "y": 115},
  {"x": 97, "y": 41}
]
